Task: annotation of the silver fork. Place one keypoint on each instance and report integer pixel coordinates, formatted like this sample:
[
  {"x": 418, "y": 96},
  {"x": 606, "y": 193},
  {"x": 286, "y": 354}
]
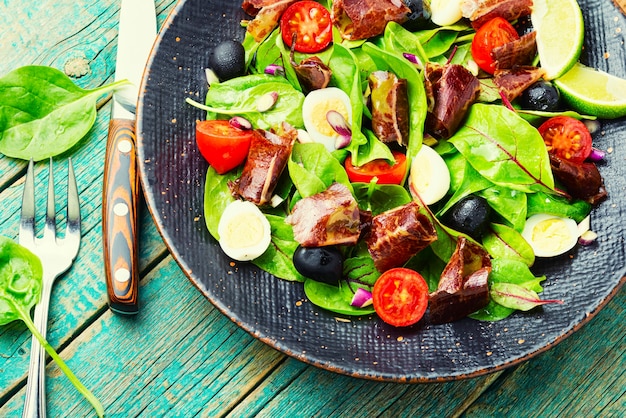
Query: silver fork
[{"x": 57, "y": 255}]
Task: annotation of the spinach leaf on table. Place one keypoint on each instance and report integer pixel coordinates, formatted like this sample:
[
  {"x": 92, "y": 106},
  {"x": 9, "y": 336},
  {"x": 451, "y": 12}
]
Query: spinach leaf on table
[
  {"x": 43, "y": 113},
  {"x": 20, "y": 289}
]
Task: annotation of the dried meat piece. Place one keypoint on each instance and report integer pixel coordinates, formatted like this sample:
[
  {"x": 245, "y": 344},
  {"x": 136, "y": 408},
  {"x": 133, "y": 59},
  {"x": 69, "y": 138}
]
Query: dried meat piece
[
  {"x": 362, "y": 19},
  {"x": 514, "y": 81},
  {"x": 463, "y": 286},
  {"x": 480, "y": 12},
  {"x": 390, "y": 107},
  {"x": 266, "y": 14},
  {"x": 454, "y": 89},
  {"x": 312, "y": 73},
  {"x": 398, "y": 234},
  {"x": 521, "y": 51},
  {"x": 331, "y": 217},
  {"x": 582, "y": 181},
  {"x": 267, "y": 158}
]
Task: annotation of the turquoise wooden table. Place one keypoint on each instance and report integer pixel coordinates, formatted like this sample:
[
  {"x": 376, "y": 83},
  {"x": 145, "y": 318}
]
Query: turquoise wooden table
[{"x": 182, "y": 357}]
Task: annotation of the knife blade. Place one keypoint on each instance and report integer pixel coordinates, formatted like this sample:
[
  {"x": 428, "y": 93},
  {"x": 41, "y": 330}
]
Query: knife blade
[{"x": 137, "y": 32}]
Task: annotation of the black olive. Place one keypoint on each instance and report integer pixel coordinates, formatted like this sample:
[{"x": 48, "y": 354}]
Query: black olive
[
  {"x": 228, "y": 60},
  {"x": 324, "y": 264},
  {"x": 469, "y": 215},
  {"x": 541, "y": 95},
  {"x": 419, "y": 17},
  {"x": 523, "y": 25}
]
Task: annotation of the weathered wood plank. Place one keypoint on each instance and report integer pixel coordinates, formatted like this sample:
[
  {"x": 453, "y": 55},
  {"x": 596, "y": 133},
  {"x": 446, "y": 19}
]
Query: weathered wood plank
[{"x": 583, "y": 376}]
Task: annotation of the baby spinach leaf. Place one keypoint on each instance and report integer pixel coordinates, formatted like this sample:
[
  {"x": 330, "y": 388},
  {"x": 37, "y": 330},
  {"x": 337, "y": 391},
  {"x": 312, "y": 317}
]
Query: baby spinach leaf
[
  {"x": 516, "y": 297},
  {"x": 504, "y": 270},
  {"x": 217, "y": 196},
  {"x": 334, "y": 298},
  {"x": 379, "y": 198},
  {"x": 557, "y": 205},
  {"x": 505, "y": 242},
  {"x": 278, "y": 258},
  {"x": 505, "y": 149},
  {"x": 464, "y": 179},
  {"x": 43, "y": 113},
  {"x": 510, "y": 204},
  {"x": 20, "y": 289},
  {"x": 239, "y": 96},
  {"x": 313, "y": 169}
]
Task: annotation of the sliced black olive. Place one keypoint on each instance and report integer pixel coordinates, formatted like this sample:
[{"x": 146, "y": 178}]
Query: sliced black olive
[
  {"x": 324, "y": 264},
  {"x": 469, "y": 215},
  {"x": 228, "y": 60},
  {"x": 419, "y": 18},
  {"x": 541, "y": 95}
]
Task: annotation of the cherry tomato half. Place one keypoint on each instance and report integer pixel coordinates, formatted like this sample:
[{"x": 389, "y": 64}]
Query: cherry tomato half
[
  {"x": 400, "y": 296},
  {"x": 312, "y": 24},
  {"x": 386, "y": 174},
  {"x": 494, "y": 33},
  {"x": 222, "y": 145},
  {"x": 567, "y": 138}
]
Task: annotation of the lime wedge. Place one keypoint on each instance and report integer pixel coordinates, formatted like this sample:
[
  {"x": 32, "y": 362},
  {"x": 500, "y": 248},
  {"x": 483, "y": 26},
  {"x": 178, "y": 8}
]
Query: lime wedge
[
  {"x": 560, "y": 34},
  {"x": 593, "y": 92}
]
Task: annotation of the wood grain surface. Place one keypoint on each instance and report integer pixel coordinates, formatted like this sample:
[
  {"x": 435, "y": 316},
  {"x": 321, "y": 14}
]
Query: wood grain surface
[{"x": 180, "y": 356}]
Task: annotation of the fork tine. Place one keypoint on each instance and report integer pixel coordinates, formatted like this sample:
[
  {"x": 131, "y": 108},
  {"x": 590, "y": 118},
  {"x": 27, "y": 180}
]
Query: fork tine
[
  {"x": 49, "y": 233},
  {"x": 27, "y": 216},
  {"x": 72, "y": 230}
]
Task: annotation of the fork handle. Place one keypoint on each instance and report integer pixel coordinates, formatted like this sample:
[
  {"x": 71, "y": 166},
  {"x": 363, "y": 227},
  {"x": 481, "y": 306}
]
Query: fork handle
[
  {"x": 119, "y": 217},
  {"x": 35, "y": 400}
]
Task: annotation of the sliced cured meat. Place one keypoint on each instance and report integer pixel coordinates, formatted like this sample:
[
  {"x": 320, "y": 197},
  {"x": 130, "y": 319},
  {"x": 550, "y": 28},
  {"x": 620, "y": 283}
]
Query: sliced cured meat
[
  {"x": 267, "y": 158},
  {"x": 390, "y": 107},
  {"x": 521, "y": 51},
  {"x": 398, "y": 234},
  {"x": 514, "y": 81},
  {"x": 582, "y": 181},
  {"x": 266, "y": 14},
  {"x": 463, "y": 286},
  {"x": 452, "y": 90},
  {"x": 331, "y": 217},
  {"x": 361, "y": 19},
  {"x": 481, "y": 11}
]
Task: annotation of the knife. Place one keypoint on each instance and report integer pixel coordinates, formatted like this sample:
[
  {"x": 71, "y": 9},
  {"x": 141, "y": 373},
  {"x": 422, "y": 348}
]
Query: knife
[{"x": 137, "y": 32}]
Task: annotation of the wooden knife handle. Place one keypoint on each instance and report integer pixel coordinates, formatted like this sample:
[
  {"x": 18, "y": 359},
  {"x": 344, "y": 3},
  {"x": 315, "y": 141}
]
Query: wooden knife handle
[{"x": 119, "y": 217}]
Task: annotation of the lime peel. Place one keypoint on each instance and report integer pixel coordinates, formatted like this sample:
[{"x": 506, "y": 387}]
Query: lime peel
[
  {"x": 594, "y": 92},
  {"x": 558, "y": 53}
]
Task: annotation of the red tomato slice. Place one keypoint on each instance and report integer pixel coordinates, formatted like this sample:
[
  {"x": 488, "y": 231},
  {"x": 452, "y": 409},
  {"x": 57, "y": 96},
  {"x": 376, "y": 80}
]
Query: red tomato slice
[
  {"x": 222, "y": 145},
  {"x": 400, "y": 297},
  {"x": 386, "y": 174},
  {"x": 494, "y": 33},
  {"x": 312, "y": 24},
  {"x": 567, "y": 138}
]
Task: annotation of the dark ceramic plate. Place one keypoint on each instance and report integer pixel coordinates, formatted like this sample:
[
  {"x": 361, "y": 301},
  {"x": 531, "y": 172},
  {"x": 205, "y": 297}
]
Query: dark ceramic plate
[{"x": 277, "y": 312}]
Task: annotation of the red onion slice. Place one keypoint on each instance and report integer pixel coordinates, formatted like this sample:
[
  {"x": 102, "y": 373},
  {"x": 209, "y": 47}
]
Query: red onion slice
[
  {"x": 267, "y": 101},
  {"x": 240, "y": 123},
  {"x": 362, "y": 298},
  {"x": 597, "y": 155},
  {"x": 274, "y": 69}
]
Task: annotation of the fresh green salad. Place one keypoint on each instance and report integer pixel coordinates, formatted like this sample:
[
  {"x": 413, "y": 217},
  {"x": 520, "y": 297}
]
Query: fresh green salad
[{"x": 504, "y": 179}]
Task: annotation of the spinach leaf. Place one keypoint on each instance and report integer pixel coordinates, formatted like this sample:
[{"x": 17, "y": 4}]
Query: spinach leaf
[
  {"x": 510, "y": 204},
  {"x": 464, "y": 179},
  {"x": 504, "y": 270},
  {"x": 557, "y": 205},
  {"x": 265, "y": 52},
  {"x": 334, "y": 298},
  {"x": 278, "y": 258},
  {"x": 20, "y": 290},
  {"x": 313, "y": 169},
  {"x": 379, "y": 198},
  {"x": 397, "y": 38},
  {"x": 505, "y": 149},
  {"x": 43, "y": 113},
  {"x": 346, "y": 76},
  {"x": 217, "y": 196},
  {"x": 238, "y": 96},
  {"x": 505, "y": 242}
]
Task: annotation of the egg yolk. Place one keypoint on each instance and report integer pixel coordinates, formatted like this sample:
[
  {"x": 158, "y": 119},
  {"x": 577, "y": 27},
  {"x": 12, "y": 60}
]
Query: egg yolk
[
  {"x": 246, "y": 230},
  {"x": 551, "y": 235},
  {"x": 318, "y": 116}
]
